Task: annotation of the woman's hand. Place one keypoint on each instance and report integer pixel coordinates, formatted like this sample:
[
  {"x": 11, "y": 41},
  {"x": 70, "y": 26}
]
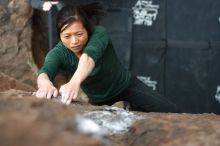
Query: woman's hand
[
  {"x": 47, "y": 91},
  {"x": 45, "y": 87},
  {"x": 69, "y": 91}
]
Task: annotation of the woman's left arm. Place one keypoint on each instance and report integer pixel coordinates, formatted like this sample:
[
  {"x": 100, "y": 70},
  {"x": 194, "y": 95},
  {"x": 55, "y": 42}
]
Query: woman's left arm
[{"x": 70, "y": 90}]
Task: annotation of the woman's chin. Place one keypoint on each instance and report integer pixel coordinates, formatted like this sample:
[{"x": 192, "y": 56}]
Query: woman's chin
[{"x": 76, "y": 50}]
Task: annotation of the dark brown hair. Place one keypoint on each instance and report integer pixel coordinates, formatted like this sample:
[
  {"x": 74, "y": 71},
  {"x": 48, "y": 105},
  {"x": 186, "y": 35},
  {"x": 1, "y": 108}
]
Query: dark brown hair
[{"x": 85, "y": 13}]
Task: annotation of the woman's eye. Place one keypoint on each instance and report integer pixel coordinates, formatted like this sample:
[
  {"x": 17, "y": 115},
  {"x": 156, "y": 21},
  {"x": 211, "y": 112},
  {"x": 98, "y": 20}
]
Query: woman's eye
[
  {"x": 66, "y": 37},
  {"x": 80, "y": 34}
]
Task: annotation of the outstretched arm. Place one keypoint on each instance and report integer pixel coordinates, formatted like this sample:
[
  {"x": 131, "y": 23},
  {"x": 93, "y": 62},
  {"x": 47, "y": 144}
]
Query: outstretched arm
[{"x": 70, "y": 90}]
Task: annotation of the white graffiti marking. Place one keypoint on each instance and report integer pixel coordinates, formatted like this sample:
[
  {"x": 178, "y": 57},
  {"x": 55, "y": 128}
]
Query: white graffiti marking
[
  {"x": 148, "y": 82},
  {"x": 217, "y": 95},
  {"x": 145, "y": 12}
]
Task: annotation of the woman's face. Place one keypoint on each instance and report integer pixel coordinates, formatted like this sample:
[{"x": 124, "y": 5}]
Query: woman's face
[{"x": 75, "y": 37}]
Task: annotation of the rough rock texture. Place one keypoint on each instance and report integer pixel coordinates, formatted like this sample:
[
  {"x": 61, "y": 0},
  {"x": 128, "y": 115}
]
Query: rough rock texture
[
  {"x": 16, "y": 34},
  {"x": 26, "y": 120},
  {"x": 34, "y": 122},
  {"x": 8, "y": 82},
  {"x": 176, "y": 130}
]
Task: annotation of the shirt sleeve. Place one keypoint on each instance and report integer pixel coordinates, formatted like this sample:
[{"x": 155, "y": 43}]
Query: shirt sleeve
[
  {"x": 97, "y": 43},
  {"x": 51, "y": 64}
]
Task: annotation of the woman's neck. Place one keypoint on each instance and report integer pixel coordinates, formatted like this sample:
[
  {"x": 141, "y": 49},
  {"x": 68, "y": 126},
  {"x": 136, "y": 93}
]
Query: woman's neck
[{"x": 78, "y": 55}]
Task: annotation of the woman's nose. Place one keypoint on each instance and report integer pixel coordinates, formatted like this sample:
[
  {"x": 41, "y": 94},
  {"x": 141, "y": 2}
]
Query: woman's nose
[{"x": 74, "y": 40}]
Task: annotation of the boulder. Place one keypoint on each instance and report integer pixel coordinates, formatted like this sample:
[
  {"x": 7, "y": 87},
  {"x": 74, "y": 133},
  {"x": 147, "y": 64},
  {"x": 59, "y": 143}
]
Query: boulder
[
  {"x": 16, "y": 34},
  {"x": 26, "y": 120}
]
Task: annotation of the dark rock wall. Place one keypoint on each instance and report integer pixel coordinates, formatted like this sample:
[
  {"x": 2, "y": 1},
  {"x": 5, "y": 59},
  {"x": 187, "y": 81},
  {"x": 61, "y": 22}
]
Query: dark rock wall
[
  {"x": 15, "y": 36},
  {"x": 40, "y": 36}
]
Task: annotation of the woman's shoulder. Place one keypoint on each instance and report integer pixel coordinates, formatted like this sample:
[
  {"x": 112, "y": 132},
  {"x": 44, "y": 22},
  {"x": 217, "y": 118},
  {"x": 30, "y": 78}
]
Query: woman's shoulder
[
  {"x": 58, "y": 49},
  {"x": 100, "y": 28},
  {"x": 100, "y": 31},
  {"x": 59, "y": 46}
]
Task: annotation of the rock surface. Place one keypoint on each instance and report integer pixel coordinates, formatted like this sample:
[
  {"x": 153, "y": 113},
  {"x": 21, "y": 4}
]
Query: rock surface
[
  {"x": 26, "y": 120},
  {"x": 29, "y": 121},
  {"x": 8, "y": 82},
  {"x": 16, "y": 34}
]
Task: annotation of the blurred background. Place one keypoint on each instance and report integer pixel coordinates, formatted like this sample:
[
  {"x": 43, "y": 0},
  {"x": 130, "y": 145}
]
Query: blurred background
[{"x": 174, "y": 45}]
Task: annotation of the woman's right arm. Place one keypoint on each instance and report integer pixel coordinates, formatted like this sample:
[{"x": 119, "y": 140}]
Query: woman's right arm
[
  {"x": 45, "y": 87},
  {"x": 47, "y": 73}
]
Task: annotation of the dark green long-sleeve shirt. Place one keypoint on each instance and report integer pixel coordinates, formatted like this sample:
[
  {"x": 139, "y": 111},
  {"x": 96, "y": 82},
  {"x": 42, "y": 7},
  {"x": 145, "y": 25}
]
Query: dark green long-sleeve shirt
[{"x": 107, "y": 79}]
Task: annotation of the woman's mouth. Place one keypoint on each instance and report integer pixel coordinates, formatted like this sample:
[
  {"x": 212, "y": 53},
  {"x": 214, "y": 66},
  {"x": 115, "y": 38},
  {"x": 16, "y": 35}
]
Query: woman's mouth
[{"x": 74, "y": 47}]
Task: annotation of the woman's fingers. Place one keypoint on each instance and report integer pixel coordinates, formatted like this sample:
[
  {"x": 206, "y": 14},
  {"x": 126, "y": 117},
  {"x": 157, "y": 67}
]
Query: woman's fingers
[
  {"x": 66, "y": 96},
  {"x": 41, "y": 93},
  {"x": 68, "y": 93},
  {"x": 72, "y": 95},
  {"x": 55, "y": 93},
  {"x": 52, "y": 92},
  {"x": 46, "y": 93},
  {"x": 68, "y": 101},
  {"x": 75, "y": 96},
  {"x": 49, "y": 94},
  {"x": 62, "y": 93}
]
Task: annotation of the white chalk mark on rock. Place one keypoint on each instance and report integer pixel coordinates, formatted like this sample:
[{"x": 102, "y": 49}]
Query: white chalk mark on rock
[{"x": 111, "y": 120}]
